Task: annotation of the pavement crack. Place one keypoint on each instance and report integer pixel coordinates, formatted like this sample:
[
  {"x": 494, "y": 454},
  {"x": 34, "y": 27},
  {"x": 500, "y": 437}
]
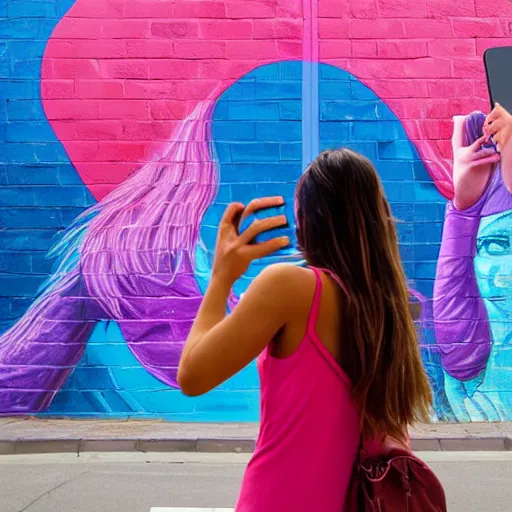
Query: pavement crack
[{"x": 47, "y": 493}]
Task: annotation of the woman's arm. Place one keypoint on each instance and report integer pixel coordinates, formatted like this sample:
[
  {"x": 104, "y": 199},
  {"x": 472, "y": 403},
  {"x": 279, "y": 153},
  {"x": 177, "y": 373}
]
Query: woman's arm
[{"x": 218, "y": 346}]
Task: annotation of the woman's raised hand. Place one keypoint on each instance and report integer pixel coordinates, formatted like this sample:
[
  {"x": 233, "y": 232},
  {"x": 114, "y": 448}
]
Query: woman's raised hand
[{"x": 234, "y": 252}]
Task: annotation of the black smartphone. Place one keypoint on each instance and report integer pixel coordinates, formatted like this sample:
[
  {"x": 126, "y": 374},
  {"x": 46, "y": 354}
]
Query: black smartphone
[{"x": 498, "y": 68}]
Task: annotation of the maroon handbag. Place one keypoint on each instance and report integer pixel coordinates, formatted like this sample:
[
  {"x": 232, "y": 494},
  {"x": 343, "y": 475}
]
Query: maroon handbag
[{"x": 397, "y": 482}]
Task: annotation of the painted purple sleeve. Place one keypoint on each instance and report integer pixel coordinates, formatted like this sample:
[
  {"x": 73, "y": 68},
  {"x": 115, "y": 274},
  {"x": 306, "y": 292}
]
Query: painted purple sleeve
[
  {"x": 39, "y": 352},
  {"x": 158, "y": 313},
  {"x": 460, "y": 317}
]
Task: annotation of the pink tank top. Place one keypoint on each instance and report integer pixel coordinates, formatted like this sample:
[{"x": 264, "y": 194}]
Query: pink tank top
[{"x": 309, "y": 431}]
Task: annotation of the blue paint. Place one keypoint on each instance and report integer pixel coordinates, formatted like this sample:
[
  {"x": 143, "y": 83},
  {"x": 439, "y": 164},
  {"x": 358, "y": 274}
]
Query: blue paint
[
  {"x": 28, "y": 140},
  {"x": 111, "y": 382},
  {"x": 310, "y": 113}
]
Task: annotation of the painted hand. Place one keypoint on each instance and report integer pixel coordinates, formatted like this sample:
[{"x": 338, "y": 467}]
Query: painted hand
[
  {"x": 234, "y": 253},
  {"x": 472, "y": 166},
  {"x": 498, "y": 124}
]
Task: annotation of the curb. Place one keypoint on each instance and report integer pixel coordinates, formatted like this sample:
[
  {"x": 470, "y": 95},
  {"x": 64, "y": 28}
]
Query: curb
[{"x": 222, "y": 445}]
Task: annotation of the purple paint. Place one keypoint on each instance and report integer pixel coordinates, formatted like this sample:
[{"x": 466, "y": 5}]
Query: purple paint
[
  {"x": 130, "y": 258},
  {"x": 461, "y": 321}
]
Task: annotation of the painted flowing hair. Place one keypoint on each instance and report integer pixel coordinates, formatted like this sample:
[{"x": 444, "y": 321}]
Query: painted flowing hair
[{"x": 146, "y": 228}]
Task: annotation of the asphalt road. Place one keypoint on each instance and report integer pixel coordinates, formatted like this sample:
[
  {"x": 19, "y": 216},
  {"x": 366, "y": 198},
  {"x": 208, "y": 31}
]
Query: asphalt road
[{"x": 474, "y": 482}]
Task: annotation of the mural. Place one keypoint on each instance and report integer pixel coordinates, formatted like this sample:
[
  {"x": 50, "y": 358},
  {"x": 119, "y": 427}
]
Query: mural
[{"x": 148, "y": 117}]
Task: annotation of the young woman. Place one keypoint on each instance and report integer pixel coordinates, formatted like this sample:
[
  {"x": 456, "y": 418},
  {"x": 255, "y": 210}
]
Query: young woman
[{"x": 337, "y": 347}]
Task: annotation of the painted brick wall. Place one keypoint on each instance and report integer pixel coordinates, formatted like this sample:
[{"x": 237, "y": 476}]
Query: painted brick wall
[
  {"x": 40, "y": 191},
  {"x": 120, "y": 80}
]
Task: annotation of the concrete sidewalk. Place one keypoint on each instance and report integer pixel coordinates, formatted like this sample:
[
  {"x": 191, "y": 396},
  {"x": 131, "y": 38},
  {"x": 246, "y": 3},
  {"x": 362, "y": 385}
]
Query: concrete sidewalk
[{"x": 31, "y": 435}]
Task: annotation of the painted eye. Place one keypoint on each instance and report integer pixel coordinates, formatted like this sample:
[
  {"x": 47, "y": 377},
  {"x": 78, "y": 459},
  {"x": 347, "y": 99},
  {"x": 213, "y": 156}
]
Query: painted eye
[{"x": 493, "y": 246}]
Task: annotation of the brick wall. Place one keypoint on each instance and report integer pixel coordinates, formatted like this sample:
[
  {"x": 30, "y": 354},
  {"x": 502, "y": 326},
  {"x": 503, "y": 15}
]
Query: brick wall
[{"x": 119, "y": 76}]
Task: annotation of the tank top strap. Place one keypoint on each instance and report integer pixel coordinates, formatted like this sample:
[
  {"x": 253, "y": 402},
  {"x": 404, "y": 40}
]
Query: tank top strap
[{"x": 315, "y": 305}]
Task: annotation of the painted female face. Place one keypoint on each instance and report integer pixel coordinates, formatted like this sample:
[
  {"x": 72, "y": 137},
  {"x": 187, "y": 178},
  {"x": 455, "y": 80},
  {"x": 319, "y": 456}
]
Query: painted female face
[{"x": 493, "y": 268}]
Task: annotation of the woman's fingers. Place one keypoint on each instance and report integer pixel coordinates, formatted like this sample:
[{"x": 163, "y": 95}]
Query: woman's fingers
[
  {"x": 264, "y": 249},
  {"x": 262, "y": 203},
  {"x": 232, "y": 214},
  {"x": 259, "y": 226}
]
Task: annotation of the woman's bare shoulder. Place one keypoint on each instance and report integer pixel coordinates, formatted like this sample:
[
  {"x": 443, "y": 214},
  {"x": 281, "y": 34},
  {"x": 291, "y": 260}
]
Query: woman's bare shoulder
[
  {"x": 294, "y": 282},
  {"x": 288, "y": 272}
]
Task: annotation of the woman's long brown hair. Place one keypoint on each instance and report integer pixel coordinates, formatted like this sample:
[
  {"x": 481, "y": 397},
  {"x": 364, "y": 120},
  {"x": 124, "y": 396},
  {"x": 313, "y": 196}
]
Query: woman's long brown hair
[{"x": 344, "y": 225}]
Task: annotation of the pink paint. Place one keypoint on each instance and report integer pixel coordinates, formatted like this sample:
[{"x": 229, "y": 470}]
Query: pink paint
[
  {"x": 113, "y": 60},
  {"x": 400, "y": 68},
  {"x": 399, "y": 88},
  {"x": 334, "y": 9},
  {"x": 308, "y": 28},
  {"x": 200, "y": 50},
  {"x": 284, "y": 29},
  {"x": 287, "y": 9},
  {"x": 99, "y": 9},
  {"x": 451, "y": 88},
  {"x": 484, "y": 44},
  {"x": 237, "y": 29},
  {"x": 362, "y": 29},
  {"x": 402, "y": 49},
  {"x": 71, "y": 109},
  {"x": 175, "y": 29},
  {"x": 441, "y": 8},
  {"x": 151, "y": 131},
  {"x": 116, "y": 109},
  {"x": 489, "y": 27},
  {"x": 428, "y": 28},
  {"x": 116, "y": 49},
  {"x": 315, "y": 31},
  {"x": 329, "y": 28},
  {"x": 402, "y": 9},
  {"x": 100, "y": 89},
  {"x": 148, "y": 62},
  {"x": 145, "y": 9},
  {"x": 365, "y": 50},
  {"x": 335, "y": 49},
  {"x": 167, "y": 68},
  {"x": 250, "y": 9},
  {"x": 450, "y": 48},
  {"x": 365, "y": 9},
  {"x": 265, "y": 49},
  {"x": 287, "y": 50},
  {"x": 195, "y": 9},
  {"x": 91, "y": 130},
  {"x": 58, "y": 89}
]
